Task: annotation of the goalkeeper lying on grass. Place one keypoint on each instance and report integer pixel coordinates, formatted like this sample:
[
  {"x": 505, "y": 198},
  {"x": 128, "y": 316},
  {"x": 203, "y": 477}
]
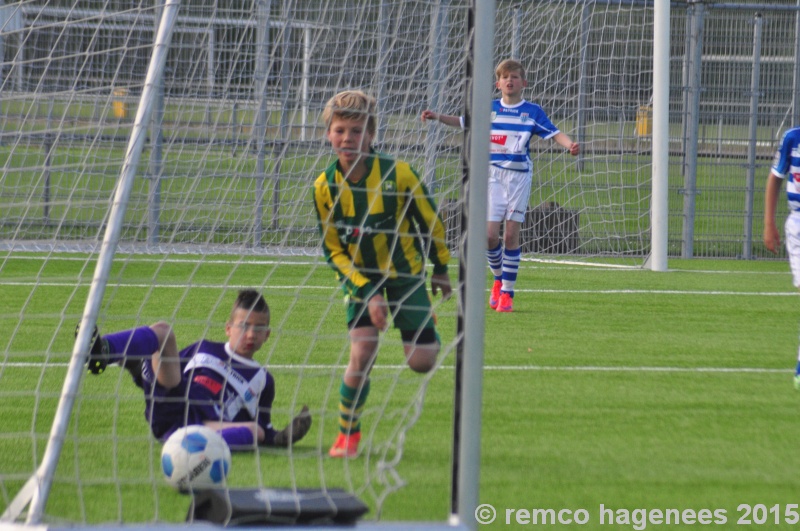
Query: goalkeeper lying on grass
[{"x": 215, "y": 384}]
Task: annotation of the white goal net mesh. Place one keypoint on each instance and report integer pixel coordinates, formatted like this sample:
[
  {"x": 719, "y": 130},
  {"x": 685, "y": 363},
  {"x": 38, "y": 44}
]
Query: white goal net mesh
[{"x": 222, "y": 201}]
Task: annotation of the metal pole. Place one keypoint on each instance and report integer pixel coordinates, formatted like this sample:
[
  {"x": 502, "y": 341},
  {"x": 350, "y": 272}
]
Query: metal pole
[
  {"x": 284, "y": 130},
  {"x": 693, "y": 119},
  {"x": 12, "y": 20},
  {"x": 687, "y": 55},
  {"x": 659, "y": 214},
  {"x": 306, "y": 74},
  {"x": 379, "y": 75},
  {"x": 210, "y": 71},
  {"x": 796, "y": 87},
  {"x": 47, "y": 147},
  {"x": 156, "y": 169},
  {"x": 747, "y": 246},
  {"x": 46, "y": 471},
  {"x": 4, "y": 19},
  {"x": 260, "y": 126},
  {"x": 515, "y": 33},
  {"x": 586, "y": 21},
  {"x": 286, "y": 70},
  {"x": 436, "y": 79},
  {"x": 472, "y": 275}
]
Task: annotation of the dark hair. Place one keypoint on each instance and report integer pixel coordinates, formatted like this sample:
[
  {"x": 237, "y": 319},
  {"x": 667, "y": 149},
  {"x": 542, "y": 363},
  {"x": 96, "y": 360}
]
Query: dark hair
[{"x": 251, "y": 300}]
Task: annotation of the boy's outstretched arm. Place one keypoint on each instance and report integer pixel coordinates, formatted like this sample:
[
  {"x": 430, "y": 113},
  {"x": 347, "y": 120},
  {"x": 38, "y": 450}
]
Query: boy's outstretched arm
[
  {"x": 446, "y": 119},
  {"x": 772, "y": 238},
  {"x": 566, "y": 142}
]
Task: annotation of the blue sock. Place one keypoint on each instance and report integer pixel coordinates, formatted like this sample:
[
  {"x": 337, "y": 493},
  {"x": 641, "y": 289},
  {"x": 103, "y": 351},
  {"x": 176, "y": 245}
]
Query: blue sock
[
  {"x": 797, "y": 370},
  {"x": 238, "y": 437},
  {"x": 511, "y": 259},
  {"x": 495, "y": 257},
  {"x": 136, "y": 343}
]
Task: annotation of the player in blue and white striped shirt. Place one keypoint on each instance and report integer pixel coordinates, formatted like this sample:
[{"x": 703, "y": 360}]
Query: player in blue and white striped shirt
[
  {"x": 514, "y": 122},
  {"x": 786, "y": 166}
]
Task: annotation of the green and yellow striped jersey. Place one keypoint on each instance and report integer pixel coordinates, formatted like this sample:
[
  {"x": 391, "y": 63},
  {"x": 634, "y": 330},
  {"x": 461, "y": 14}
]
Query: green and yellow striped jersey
[{"x": 377, "y": 228}]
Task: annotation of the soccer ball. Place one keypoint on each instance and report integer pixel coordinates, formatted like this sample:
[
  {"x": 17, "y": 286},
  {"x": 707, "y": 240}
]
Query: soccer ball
[{"x": 195, "y": 457}]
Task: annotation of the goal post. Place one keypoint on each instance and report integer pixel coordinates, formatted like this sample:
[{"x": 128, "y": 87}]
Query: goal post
[
  {"x": 660, "y": 210},
  {"x": 469, "y": 355}
]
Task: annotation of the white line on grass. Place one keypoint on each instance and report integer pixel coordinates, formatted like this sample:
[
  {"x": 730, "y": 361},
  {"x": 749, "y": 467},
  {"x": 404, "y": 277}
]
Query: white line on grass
[
  {"x": 531, "y": 368},
  {"x": 661, "y": 292},
  {"x": 582, "y": 264},
  {"x": 329, "y": 287},
  {"x": 577, "y": 264},
  {"x": 193, "y": 261},
  {"x": 527, "y": 262}
]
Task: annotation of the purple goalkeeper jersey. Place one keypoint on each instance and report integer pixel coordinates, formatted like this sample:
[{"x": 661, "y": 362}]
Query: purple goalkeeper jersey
[{"x": 217, "y": 385}]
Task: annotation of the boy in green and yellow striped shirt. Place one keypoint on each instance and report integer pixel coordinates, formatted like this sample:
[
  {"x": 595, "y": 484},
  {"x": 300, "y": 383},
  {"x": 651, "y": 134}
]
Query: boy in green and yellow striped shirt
[{"x": 377, "y": 223}]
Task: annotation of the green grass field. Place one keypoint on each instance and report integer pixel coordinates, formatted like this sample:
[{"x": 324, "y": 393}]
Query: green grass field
[{"x": 616, "y": 388}]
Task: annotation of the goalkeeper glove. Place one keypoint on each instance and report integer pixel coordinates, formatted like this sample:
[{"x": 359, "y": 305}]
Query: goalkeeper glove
[{"x": 295, "y": 431}]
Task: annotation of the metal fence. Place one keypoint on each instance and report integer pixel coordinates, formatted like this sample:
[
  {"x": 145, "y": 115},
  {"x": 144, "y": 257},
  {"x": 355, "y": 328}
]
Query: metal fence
[
  {"x": 734, "y": 86},
  {"x": 734, "y": 92}
]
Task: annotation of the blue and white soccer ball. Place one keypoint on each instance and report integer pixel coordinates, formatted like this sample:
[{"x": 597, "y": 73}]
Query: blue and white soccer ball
[{"x": 195, "y": 457}]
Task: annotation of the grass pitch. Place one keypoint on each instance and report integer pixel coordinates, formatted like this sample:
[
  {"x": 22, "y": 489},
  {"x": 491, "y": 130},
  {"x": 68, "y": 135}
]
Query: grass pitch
[{"x": 618, "y": 396}]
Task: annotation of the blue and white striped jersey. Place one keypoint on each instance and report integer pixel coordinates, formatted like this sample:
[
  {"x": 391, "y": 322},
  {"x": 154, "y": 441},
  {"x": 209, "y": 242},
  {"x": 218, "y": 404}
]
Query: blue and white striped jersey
[
  {"x": 787, "y": 162},
  {"x": 512, "y": 129}
]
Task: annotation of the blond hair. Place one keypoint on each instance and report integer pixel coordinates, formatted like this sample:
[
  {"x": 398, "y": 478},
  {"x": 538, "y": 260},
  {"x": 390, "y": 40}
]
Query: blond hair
[
  {"x": 509, "y": 65},
  {"x": 352, "y": 105}
]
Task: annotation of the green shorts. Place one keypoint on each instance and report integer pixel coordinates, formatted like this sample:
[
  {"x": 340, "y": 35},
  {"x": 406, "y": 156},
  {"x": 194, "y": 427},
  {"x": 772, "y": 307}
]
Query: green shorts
[{"x": 408, "y": 301}]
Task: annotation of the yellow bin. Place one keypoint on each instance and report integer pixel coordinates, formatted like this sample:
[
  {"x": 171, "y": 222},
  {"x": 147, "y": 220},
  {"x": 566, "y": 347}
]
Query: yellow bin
[
  {"x": 644, "y": 121},
  {"x": 118, "y": 104}
]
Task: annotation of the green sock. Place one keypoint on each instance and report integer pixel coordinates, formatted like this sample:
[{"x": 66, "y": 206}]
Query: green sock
[{"x": 351, "y": 404}]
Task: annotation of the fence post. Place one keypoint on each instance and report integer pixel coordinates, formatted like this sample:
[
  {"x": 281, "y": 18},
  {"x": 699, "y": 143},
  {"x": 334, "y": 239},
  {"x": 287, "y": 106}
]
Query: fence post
[
  {"x": 747, "y": 251},
  {"x": 436, "y": 75},
  {"x": 211, "y": 68},
  {"x": 693, "y": 122},
  {"x": 47, "y": 147},
  {"x": 284, "y": 139},
  {"x": 259, "y": 131},
  {"x": 796, "y": 81},
  {"x": 685, "y": 85},
  {"x": 155, "y": 168},
  {"x": 586, "y": 20}
]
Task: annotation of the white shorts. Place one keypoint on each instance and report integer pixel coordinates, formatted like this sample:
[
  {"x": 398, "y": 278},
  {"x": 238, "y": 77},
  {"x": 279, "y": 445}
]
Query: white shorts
[
  {"x": 509, "y": 194},
  {"x": 792, "y": 228}
]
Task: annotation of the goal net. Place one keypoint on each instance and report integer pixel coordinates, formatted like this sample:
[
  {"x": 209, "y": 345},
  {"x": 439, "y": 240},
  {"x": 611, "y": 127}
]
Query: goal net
[{"x": 211, "y": 158}]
